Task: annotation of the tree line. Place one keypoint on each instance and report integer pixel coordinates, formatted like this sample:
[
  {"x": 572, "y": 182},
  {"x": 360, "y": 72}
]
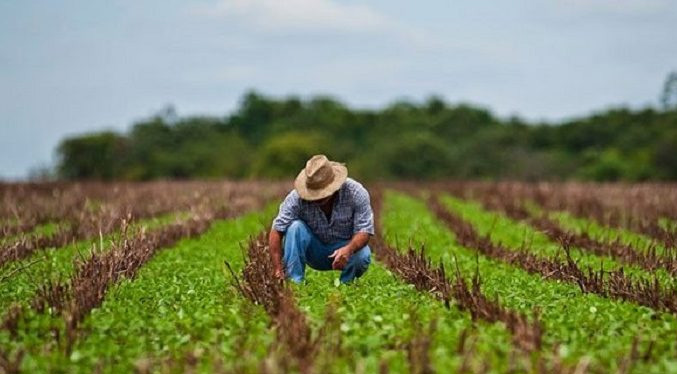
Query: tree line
[{"x": 268, "y": 137}]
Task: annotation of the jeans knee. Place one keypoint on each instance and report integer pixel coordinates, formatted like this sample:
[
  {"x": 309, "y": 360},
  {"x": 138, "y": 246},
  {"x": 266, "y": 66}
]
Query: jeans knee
[
  {"x": 364, "y": 257},
  {"x": 297, "y": 226}
]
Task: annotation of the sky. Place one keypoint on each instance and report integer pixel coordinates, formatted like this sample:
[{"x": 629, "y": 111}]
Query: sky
[{"x": 70, "y": 67}]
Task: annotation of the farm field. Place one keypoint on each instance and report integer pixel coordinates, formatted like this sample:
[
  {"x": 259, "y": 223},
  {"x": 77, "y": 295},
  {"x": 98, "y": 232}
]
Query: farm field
[{"x": 468, "y": 277}]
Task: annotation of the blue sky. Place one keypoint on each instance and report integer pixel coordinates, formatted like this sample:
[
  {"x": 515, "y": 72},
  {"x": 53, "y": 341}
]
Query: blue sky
[{"x": 69, "y": 67}]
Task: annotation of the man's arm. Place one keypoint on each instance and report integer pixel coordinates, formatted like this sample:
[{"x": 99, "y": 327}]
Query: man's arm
[
  {"x": 275, "y": 246},
  {"x": 363, "y": 228},
  {"x": 289, "y": 211},
  {"x": 341, "y": 255},
  {"x": 359, "y": 240}
]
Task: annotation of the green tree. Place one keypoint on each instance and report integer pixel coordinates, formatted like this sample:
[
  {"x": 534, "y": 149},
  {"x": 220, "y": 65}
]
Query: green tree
[
  {"x": 413, "y": 156},
  {"x": 669, "y": 94},
  {"x": 252, "y": 119},
  {"x": 665, "y": 156},
  {"x": 604, "y": 166},
  {"x": 93, "y": 156},
  {"x": 272, "y": 137},
  {"x": 285, "y": 155}
]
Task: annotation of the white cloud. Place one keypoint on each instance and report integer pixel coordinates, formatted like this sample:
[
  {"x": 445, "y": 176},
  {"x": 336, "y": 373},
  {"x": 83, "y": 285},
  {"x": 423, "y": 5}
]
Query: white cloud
[
  {"x": 299, "y": 15},
  {"x": 313, "y": 18}
]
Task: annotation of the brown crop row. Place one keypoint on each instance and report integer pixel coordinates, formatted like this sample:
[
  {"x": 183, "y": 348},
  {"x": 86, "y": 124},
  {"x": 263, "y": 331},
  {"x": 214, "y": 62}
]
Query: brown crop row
[
  {"x": 37, "y": 203},
  {"x": 638, "y": 207},
  {"x": 635, "y": 208},
  {"x": 416, "y": 268},
  {"x": 513, "y": 206},
  {"x": 614, "y": 284},
  {"x": 87, "y": 288},
  {"x": 311, "y": 353},
  {"x": 92, "y": 277},
  {"x": 294, "y": 334},
  {"x": 84, "y": 216}
]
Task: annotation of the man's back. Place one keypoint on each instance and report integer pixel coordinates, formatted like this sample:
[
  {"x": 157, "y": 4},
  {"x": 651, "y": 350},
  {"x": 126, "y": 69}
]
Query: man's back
[{"x": 351, "y": 213}]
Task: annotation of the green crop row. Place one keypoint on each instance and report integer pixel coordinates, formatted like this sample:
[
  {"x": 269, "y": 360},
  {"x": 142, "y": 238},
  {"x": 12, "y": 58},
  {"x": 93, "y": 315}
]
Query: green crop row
[
  {"x": 179, "y": 304},
  {"x": 668, "y": 224},
  {"x": 596, "y": 231},
  {"x": 584, "y": 325},
  {"x": 21, "y": 279},
  {"x": 380, "y": 315},
  {"x": 180, "y": 310},
  {"x": 45, "y": 229},
  {"x": 515, "y": 234}
]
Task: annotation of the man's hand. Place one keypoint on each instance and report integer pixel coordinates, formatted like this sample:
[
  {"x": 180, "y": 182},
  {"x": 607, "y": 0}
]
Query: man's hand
[
  {"x": 275, "y": 246},
  {"x": 340, "y": 257}
]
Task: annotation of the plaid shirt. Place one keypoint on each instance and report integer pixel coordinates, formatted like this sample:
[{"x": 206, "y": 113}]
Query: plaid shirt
[{"x": 351, "y": 214}]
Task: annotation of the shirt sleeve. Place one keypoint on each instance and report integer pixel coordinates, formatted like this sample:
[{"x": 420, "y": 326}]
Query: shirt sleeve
[
  {"x": 363, "y": 220},
  {"x": 289, "y": 211}
]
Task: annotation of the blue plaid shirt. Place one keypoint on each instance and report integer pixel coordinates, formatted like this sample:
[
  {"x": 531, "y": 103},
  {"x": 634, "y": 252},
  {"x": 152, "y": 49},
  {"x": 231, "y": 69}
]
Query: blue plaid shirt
[{"x": 351, "y": 214}]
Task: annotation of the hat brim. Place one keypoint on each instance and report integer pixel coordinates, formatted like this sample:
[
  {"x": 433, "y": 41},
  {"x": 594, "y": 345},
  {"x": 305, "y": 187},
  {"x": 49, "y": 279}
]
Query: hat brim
[{"x": 340, "y": 175}]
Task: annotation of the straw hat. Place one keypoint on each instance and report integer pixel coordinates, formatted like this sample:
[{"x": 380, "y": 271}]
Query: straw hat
[{"x": 320, "y": 178}]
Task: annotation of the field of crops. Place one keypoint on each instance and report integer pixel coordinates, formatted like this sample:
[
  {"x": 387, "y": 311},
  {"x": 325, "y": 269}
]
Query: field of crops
[{"x": 174, "y": 277}]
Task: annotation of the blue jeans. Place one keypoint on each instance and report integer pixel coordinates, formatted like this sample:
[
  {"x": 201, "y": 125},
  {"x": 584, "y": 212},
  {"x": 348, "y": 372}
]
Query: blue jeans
[{"x": 302, "y": 247}]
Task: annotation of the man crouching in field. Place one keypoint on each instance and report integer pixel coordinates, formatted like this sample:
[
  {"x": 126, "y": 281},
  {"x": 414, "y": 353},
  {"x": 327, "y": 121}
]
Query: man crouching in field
[{"x": 326, "y": 222}]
